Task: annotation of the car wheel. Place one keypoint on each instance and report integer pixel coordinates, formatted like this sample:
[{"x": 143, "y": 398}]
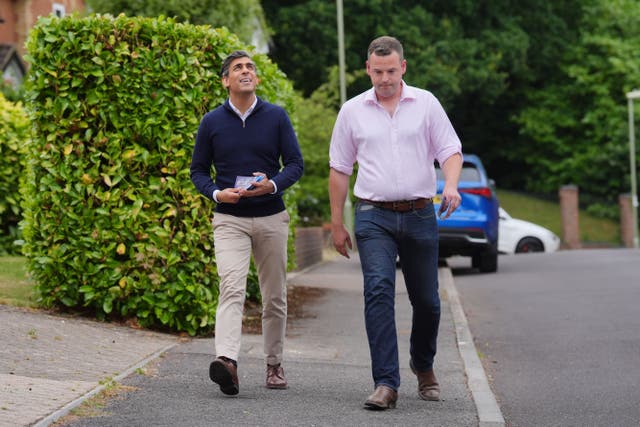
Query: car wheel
[
  {"x": 529, "y": 244},
  {"x": 486, "y": 262}
]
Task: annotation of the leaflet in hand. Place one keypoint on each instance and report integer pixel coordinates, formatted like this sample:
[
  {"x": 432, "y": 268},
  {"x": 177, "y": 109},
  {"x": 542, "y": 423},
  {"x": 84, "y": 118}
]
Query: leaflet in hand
[{"x": 247, "y": 182}]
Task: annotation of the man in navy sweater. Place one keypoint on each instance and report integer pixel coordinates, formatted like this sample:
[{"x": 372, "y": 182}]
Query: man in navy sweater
[{"x": 254, "y": 150}]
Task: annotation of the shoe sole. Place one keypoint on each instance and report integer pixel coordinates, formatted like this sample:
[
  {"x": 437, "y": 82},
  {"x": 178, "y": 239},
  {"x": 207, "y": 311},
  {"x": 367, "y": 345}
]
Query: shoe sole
[
  {"x": 430, "y": 399},
  {"x": 220, "y": 375},
  {"x": 375, "y": 407},
  {"x": 277, "y": 387}
]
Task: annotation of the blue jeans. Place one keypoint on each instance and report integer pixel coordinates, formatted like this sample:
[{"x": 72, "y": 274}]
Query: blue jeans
[{"x": 381, "y": 234}]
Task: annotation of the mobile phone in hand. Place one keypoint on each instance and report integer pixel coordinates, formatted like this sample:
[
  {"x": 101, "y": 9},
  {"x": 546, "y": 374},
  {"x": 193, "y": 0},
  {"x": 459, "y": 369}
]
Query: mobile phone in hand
[{"x": 444, "y": 206}]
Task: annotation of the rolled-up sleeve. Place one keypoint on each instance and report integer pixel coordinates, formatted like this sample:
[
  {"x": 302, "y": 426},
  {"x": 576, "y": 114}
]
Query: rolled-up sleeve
[
  {"x": 442, "y": 135},
  {"x": 342, "y": 150}
]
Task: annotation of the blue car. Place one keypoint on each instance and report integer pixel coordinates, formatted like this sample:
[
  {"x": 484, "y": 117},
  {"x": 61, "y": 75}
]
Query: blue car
[{"x": 472, "y": 230}]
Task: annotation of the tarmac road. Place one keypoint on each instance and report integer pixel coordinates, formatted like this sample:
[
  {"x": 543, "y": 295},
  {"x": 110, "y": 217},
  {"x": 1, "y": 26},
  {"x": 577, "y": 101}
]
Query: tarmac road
[{"x": 560, "y": 334}]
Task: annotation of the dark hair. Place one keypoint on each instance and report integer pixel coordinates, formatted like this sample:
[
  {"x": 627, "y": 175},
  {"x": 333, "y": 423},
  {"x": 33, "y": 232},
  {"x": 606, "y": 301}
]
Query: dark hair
[
  {"x": 383, "y": 46},
  {"x": 224, "y": 70}
]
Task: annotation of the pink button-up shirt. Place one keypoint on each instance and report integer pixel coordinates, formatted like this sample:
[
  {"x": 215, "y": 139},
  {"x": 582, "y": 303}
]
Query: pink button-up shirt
[{"x": 395, "y": 155}]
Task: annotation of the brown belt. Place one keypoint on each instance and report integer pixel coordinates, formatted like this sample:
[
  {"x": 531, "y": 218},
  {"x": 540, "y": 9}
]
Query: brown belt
[{"x": 400, "y": 205}]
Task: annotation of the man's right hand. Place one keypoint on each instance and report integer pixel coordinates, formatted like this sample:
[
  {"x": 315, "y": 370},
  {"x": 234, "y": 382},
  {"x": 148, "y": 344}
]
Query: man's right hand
[
  {"x": 229, "y": 195},
  {"x": 341, "y": 239}
]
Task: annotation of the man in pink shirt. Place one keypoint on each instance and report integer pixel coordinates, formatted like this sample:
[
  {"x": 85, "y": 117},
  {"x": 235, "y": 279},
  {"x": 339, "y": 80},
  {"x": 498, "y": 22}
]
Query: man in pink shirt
[{"x": 395, "y": 132}]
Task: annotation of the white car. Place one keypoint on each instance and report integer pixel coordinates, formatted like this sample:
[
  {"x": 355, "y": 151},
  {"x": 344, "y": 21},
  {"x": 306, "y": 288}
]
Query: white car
[{"x": 518, "y": 236}]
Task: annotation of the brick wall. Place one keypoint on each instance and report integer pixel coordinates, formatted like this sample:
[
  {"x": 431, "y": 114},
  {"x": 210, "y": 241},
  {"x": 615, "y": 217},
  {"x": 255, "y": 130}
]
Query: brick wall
[
  {"x": 570, "y": 215},
  {"x": 626, "y": 220},
  {"x": 310, "y": 242},
  {"x": 8, "y": 26},
  {"x": 21, "y": 15}
]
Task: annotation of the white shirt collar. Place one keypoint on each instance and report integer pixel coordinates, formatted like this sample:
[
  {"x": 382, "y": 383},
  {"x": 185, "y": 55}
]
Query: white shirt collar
[
  {"x": 407, "y": 92},
  {"x": 246, "y": 113}
]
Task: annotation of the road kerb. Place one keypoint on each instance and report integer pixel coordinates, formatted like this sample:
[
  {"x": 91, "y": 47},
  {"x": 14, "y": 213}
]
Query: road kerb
[
  {"x": 489, "y": 413},
  {"x": 79, "y": 401}
]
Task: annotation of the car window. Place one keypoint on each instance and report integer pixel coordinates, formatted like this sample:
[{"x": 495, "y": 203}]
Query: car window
[{"x": 469, "y": 172}]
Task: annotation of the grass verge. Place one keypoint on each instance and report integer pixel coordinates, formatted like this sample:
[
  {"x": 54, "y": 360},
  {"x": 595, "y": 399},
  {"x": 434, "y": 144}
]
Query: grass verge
[
  {"x": 593, "y": 231},
  {"x": 15, "y": 287}
]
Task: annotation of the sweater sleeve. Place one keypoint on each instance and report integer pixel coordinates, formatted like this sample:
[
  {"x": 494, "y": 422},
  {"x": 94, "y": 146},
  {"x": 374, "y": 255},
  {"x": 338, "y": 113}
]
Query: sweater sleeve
[
  {"x": 202, "y": 160},
  {"x": 293, "y": 164}
]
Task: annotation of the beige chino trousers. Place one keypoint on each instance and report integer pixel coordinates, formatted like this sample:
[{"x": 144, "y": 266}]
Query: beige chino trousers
[{"x": 235, "y": 239}]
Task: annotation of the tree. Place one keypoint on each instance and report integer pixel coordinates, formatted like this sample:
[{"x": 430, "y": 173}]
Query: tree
[
  {"x": 575, "y": 127},
  {"x": 530, "y": 85},
  {"x": 244, "y": 17},
  {"x": 305, "y": 43},
  {"x": 441, "y": 54}
]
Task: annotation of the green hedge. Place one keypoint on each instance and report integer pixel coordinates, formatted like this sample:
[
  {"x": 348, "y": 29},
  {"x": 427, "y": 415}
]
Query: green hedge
[
  {"x": 14, "y": 134},
  {"x": 112, "y": 221}
]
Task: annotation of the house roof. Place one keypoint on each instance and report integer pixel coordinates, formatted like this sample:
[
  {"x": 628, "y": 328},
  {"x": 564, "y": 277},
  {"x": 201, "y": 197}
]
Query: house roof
[{"x": 9, "y": 53}]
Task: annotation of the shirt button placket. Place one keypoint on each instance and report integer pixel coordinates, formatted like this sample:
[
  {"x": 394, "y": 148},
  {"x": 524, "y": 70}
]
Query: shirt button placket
[{"x": 395, "y": 148}]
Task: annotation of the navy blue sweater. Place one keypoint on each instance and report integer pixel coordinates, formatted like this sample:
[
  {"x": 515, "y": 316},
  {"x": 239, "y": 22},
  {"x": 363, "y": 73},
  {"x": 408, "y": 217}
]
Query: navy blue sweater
[{"x": 266, "y": 143}]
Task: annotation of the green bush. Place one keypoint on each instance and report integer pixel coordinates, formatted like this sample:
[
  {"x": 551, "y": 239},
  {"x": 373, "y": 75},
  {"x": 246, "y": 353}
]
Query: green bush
[
  {"x": 14, "y": 130},
  {"x": 314, "y": 135},
  {"x": 112, "y": 223},
  {"x": 10, "y": 92}
]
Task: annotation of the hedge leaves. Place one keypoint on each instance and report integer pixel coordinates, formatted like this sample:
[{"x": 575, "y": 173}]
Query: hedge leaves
[
  {"x": 14, "y": 134},
  {"x": 113, "y": 223}
]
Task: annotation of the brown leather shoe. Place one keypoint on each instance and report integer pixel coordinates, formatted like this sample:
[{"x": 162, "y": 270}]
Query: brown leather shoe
[
  {"x": 382, "y": 398},
  {"x": 428, "y": 387},
  {"x": 275, "y": 377},
  {"x": 224, "y": 373}
]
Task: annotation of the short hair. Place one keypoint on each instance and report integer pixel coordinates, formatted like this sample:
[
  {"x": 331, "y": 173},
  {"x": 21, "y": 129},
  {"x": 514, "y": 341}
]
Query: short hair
[
  {"x": 383, "y": 46},
  {"x": 224, "y": 70}
]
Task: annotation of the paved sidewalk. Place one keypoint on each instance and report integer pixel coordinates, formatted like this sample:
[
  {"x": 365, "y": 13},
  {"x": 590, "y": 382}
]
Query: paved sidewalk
[
  {"x": 326, "y": 362},
  {"x": 47, "y": 362}
]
